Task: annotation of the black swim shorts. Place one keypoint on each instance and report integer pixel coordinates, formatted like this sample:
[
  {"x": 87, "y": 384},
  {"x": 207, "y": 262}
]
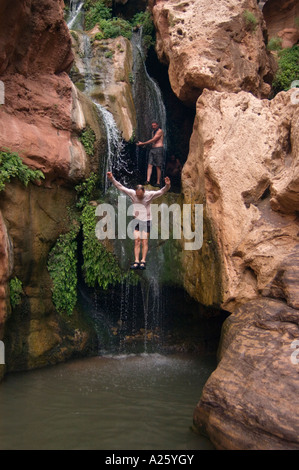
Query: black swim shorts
[
  {"x": 156, "y": 156},
  {"x": 143, "y": 226}
]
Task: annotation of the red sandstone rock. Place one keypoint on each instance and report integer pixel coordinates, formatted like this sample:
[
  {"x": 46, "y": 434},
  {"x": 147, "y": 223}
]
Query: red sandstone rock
[
  {"x": 5, "y": 271},
  {"x": 289, "y": 36},
  {"x": 250, "y": 402},
  {"x": 40, "y": 119},
  {"x": 242, "y": 164},
  {"x": 281, "y": 16}
]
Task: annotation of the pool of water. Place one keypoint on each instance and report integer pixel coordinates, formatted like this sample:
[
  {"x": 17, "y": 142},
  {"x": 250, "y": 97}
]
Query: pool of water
[{"x": 125, "y": 402}]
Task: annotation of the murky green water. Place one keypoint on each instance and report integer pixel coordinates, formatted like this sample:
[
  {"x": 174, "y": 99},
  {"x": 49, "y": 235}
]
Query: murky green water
[{"x": 135, "y": 402}]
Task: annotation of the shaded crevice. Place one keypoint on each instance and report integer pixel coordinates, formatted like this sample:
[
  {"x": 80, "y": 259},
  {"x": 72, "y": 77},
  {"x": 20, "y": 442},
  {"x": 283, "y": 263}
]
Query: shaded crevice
[{"x": 180, "y": 118}]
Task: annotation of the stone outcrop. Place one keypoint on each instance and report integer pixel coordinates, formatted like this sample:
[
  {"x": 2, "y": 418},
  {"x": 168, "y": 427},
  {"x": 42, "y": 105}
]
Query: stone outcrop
[
  {"x": 42, "y": 119},
  {"x": 281, "y": 20},
  {"x": 242, "y": 166},
  {"x": 103, "y": 70},
  {"x": 213, "y": 45},
  {"x": 251, "y": 399}
]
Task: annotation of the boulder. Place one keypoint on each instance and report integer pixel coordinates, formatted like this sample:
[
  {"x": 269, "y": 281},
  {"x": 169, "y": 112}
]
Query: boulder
[
  {"x": 242, "y": 166},
  {"x": 250, "y": 402},
  {"x": 214, "y": 45}
]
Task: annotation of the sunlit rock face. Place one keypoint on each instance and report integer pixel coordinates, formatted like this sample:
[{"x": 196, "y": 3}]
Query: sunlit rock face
[
  {"x": 243, "y": 165},
  {"x": 103, "y": 70},
  {"x": 215, "y": 45}
]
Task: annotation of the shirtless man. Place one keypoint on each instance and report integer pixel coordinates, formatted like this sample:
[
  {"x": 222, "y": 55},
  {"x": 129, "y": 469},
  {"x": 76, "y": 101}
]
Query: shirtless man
[{"x": 156, "y": 154}]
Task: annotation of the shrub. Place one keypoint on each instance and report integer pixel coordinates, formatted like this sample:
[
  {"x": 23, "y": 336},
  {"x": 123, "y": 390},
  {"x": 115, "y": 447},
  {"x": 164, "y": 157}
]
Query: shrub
[
  {"x": 115, "y": 27},
  {"x": 251, "y": 21},
  {"x": 274, "y": 44},
  {"x": 88, "y": 138},
  {"x": 16, "y": 289},
  {"x": 288, "y": 69},
  {"x": 144, "y": 19},
  {"x": 62, "y": 267},
  {"x": 11, "y": 166},
  {"x": 94, "y": 12}
]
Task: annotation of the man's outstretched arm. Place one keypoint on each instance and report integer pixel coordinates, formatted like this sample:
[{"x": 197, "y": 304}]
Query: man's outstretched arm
[
  {"x": 155, "y": 194},
  {"x": 118, "y": 185},
  {"x": 156, "y": 137}
]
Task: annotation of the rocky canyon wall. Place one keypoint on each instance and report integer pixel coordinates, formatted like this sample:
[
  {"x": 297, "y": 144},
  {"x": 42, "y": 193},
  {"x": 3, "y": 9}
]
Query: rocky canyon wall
[
  {"x": 41, "y": 119},
  {"x": 243, "y": 167}
]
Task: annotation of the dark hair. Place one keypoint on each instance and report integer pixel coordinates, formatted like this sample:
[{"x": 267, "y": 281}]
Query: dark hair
[{"x": 139, "y": 186}]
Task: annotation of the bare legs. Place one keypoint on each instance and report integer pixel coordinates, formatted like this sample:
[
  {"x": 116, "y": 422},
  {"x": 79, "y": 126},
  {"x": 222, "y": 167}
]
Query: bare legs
[
  {"x": 158, "y": 174},
  {"x": 140, "y": 242},
  {"x": 149, "y": 173}
]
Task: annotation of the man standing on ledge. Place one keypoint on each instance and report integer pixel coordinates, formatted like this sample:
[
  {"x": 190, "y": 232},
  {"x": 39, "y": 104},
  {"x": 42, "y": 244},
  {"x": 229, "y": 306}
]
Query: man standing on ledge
[
  {"x": 156, "y": 154},
  {"x": 141, "y": 200}
]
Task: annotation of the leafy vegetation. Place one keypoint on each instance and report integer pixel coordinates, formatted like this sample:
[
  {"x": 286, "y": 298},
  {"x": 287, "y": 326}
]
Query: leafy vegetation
[
  {"x": 11, "y": 166},
  {"x": 16, "y": 289},
  {"x": 100, "y": 266},
  {"x": 88, "y": 138},
  {"x": 288, "y": 69},
  {"x": 62, "y": 267},
  {"x": 85, "y": 190},
  {"x": 144, "y": 19},
  {"x": 251, "y": 21},
  {"x": 99, "y": 13},
  {"x": 113, "y": 28},
  {"x": 94, "y": 12},
  {"x": 274, "y": 44}
]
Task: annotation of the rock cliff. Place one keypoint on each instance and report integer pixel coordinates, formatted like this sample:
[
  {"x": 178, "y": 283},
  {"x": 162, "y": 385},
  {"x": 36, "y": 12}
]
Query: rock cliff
[
  {"x": 242, "y": 166},
  {"x": 215, "y": 45},
  {"x": 103, "y": 70},
  {"x": 42, "y": 118}
]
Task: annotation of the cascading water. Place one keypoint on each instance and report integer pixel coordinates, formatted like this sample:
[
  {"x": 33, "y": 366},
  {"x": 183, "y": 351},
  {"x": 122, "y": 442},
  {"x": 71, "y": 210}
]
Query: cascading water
[
  {"x": 147, "y": 97},
  {"x": 76, "y": 7},
  {"x": 134, "y": 314},
  {"x": 115, "y": 160},
  {"x": 115, "y": 157}
]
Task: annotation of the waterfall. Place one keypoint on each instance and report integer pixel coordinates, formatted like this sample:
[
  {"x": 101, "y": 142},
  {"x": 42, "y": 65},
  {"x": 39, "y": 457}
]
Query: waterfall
[
  {"x": 76, "y": 7},
  {"x": 146, "y": 93},
  {"x": 128, "y": 318},
  {"x": 115, "y": 158}
]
